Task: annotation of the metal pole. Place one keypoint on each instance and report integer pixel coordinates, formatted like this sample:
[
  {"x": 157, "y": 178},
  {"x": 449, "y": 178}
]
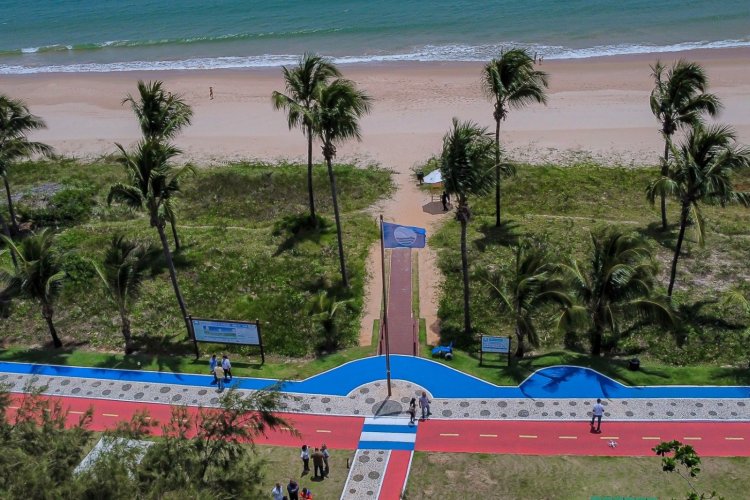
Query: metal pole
[{"x": 385, "y": 311}]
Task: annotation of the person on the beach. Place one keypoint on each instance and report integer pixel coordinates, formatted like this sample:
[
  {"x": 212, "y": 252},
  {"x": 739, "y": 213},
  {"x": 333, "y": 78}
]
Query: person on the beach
[
  {"x": 412, "y": 410},
  {"x": 293, "y": 489},
  {"x": 306, "y": 494},
  {"x": 305, "y": 457},
  {"x": 326, "y": 456},
  {"x": 424, "y": 403},
  {"x": 318, "y": 466},
  {"x": 211, "y": 93},
  {"x": 227, "y": 366},
  {"x": 277, "y": 493},
  {"x": 597, "y": 413},
  {"x": 219, "y": 376},
  {"x": 444, "y": 201},
  {"x": 212, "y": 365}
]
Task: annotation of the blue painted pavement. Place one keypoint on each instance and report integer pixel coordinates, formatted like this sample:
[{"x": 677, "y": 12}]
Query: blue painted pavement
[{"x": 558, "y": 382}]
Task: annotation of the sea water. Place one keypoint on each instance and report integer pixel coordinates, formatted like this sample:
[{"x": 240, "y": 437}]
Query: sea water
[{"x": 117, "y": 35}]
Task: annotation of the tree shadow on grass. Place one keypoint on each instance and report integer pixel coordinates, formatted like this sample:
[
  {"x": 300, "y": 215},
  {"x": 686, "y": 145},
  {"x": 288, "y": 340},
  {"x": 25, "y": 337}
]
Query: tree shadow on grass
[
  {"x": 666, "y": 239},
  {"x": 298, "y": 229},
  {"x": 503, "y": 235}
]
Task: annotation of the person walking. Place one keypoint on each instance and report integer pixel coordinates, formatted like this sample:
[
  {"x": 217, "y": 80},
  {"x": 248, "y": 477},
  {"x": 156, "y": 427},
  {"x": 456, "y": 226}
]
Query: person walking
[
  {"x": 444, "y": 201},
  {"x": 412, "y": 410},
  {"x": 212, "y": 365},
  {"x": 277, "y": 493},
  {"x": 597, "y": 413},
  {"x": 317, "y": 458},
  {"x": 305, "y": 456},
  {"x": 219, "y": 375},
  {"x": 227, "y": 366},
  {"x": 326, "y": 456},
  {"x": 211, "y": 93},
  {"x": 424, "y": 403},
  {"x": 293, "y": 489}
]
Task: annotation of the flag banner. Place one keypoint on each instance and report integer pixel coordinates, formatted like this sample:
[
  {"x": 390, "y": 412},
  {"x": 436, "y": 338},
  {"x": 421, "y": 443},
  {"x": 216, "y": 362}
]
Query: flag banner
[{"x": 396, "y": 236}]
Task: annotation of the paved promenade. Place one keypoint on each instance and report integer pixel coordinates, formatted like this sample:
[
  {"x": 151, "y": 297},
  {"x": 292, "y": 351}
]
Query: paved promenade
[{"x": 545, "y": 414}]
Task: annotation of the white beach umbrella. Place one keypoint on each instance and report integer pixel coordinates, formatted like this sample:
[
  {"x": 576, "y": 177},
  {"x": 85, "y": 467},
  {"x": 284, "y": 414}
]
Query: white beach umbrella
[{"x": 433, "y": 177}]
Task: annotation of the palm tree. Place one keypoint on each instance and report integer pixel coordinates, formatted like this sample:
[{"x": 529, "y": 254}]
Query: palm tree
[
  {"x": 15, "y": 123},
  {"x": 324, "y": 309},
  {"x": 701, "y": 172},
  {"x": 534, "y": 284},
  {"x": 466, "y": 165},
  {"x": 679, "y": 99},
  {"x": 38, "y": 276},
  {"x": 122, "y": 273},
  {"x": 301, "y": 86},
  {"x": 152, "y": 182},
  {"x": 161, "y": 116},
  {"x": 616, "y": 286},
  {"x": 335, "y": 118},
  {"x": 511, "y": 82}
]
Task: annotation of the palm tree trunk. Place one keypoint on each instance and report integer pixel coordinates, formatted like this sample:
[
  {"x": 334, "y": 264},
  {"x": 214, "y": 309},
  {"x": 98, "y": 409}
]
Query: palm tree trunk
[
  {"x": 342, "y": 262},
  {"x": 310, "y": 193},
  {"x": 664, "y": 172},
  {"x": 48, "y": 312},
  {"x": 497, "y": 172},
  {"x": 174, "y": 235},
  {"x": 521, "y": 347},
  {"x": 465, "y": 270},
  {"x": 596, "y": 338},
  {"x": 12, "y": 211},
  {"x": 126, "y": 334},
  {"x": 173, "y": 275},
  {"x": 683, "y": 224},
  {"x": 6, "y": 232}
]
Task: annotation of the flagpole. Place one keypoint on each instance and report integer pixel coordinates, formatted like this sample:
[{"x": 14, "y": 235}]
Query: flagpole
[{"x": 384, "y": 326}]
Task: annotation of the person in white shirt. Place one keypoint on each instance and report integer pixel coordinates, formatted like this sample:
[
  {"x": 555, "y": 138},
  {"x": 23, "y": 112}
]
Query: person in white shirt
[
  {"x": 277, "y": 493},
  {"x": 227, "y": 367},
  {"x": 597, "y": 413}
]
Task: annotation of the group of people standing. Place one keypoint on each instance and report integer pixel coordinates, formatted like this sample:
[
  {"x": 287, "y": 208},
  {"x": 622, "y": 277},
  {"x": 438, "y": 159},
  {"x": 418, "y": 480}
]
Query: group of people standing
[
  {"x": 221, "y": 370},
  {"x": 321, "y": 468},
  {"x": 424, "y": 404}
]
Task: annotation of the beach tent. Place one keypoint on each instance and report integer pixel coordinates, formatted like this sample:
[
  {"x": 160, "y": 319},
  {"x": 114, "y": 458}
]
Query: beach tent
[{"x": 434, "y": 177}]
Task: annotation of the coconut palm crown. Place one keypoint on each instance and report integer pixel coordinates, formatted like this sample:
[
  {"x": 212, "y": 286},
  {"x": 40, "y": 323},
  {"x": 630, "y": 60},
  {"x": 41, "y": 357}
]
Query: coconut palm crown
[
  {"x": 511, "y": 82},
  {"x": 679, "y": 100},
  {"x": 701, "y": 172},
  {"x": 161, "y": 114}
]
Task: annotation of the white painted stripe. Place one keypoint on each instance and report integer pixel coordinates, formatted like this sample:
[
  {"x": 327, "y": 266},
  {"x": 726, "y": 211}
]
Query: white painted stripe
[
  {"x": 396, "y": 437},
  {"x": 386, "y": 421}
]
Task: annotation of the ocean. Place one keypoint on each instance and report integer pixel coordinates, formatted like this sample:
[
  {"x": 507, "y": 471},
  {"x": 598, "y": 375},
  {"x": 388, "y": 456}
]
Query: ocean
[{"x": 39, "y": 36}]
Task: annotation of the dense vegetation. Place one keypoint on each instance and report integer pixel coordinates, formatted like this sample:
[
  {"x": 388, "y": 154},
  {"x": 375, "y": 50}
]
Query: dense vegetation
[
  {"x": 559, "y": 207},
  {"x": 245, "y": 254}
]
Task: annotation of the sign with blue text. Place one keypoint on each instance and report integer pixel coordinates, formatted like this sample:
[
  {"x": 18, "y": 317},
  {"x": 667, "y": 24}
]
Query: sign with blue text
[
  {"x": 225, "y": 332},
  {"x": 496, "y": 344}
]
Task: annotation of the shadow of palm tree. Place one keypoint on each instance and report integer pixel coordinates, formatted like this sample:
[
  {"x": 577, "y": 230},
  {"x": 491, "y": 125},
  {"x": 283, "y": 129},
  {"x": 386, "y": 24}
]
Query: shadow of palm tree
[
  {"x": 298, "y": 229},
  {"x": 666, "y": 239},
  {"x": 503, "y": 235}
]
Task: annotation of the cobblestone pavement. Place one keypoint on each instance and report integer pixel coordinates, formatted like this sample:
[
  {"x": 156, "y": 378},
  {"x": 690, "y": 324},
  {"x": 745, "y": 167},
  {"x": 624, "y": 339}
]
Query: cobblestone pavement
[
  {"x": 371, "y": 399},
  {"x": 366, "y": 475}
]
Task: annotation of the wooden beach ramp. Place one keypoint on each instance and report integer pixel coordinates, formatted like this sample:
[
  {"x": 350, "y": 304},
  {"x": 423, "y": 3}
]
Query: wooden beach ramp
[{"x": 402, "y": 326}]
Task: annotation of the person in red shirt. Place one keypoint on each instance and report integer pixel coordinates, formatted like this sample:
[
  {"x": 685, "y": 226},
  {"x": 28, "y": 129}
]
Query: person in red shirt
[{"x": 306, "y": 494}]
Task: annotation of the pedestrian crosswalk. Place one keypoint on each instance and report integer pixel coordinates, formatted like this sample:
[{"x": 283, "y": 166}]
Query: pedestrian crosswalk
[{"x": 388, "y": 433}]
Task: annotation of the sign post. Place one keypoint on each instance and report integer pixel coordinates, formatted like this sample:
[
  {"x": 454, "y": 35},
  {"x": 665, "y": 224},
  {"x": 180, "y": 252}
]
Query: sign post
[
  {"x": 219, "y": 331},
  {"x": 499, "y": 345}
]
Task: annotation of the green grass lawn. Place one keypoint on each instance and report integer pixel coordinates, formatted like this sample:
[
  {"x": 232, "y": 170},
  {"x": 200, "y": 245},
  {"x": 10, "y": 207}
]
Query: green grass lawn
[
  {"x": 282, "y": 464},
  {"x": 463, "y": 475},
  {"x": 561, "y": 206},
  {"x": 240, "y": 259}
]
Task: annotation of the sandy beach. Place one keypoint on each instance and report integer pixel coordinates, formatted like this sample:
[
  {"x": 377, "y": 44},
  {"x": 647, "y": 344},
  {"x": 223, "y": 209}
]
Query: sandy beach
[{"x": 597, "y": 105}]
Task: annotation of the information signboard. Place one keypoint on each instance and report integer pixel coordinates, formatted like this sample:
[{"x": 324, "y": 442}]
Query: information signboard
[
  {"x": 499, "y": 345},
  {"x": 218, "y": 331}
]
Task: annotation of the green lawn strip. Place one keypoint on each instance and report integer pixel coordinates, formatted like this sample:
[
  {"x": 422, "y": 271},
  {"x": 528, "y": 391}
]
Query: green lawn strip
[
  {"x": 561, "y": 206},
  {"x": 275, "y": 367},
  {"x": 282, "y": 464},
  {"x": 438, "y": 475}
]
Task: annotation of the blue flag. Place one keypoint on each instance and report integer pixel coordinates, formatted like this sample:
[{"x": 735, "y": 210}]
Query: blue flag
[{"x": 397, "y": 236}]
